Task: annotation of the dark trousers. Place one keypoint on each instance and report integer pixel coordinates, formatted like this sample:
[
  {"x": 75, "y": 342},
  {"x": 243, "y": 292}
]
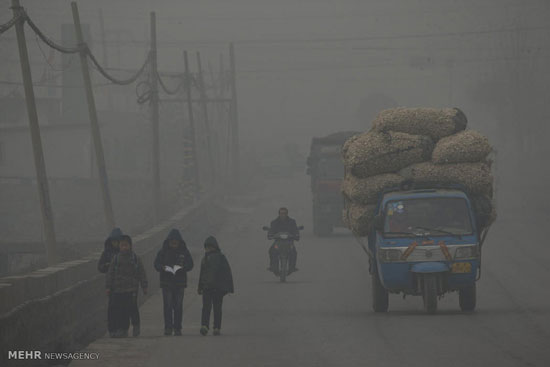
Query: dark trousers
[
  {"x": 274, "y": 257},
  {"x": 173, "y": 307},
  {"x": 212, "y": 299},
  {"x": 123, "y": 306},
  {"x": 134, "y": 313}
]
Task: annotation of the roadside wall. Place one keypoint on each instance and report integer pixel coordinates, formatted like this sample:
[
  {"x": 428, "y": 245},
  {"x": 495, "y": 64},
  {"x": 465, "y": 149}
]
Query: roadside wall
[{"x": 64, "y": 307}]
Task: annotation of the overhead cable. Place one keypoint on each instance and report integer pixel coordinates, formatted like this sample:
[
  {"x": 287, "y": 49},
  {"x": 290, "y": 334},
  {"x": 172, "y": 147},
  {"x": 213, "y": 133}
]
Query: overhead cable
[
  {"x": 5, "y": 27},
  {"x": 48, "y": 41},
  {"x": 111, "y": 78}
]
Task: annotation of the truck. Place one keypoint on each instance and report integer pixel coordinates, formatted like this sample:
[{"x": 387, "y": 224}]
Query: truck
[{"x": 325, "y": 167}]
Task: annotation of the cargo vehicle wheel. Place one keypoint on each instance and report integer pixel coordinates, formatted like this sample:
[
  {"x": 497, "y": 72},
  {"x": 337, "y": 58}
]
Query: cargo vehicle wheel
[
  {"x": 380, "y": 300},
  {"x": 429, "y": 293},
  {"x": 467, "y": 298}
]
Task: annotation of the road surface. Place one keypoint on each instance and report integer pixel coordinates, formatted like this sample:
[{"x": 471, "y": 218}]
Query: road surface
[{"x": 322, "y": 316}]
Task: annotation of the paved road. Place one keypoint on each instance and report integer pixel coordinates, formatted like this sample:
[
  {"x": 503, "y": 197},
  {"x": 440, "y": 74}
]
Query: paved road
[{"x": 323, "y": 317}]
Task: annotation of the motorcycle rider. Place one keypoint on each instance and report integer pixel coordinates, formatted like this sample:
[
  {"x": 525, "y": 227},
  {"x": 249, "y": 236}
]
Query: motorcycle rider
[{"x": 283, "y": 223}]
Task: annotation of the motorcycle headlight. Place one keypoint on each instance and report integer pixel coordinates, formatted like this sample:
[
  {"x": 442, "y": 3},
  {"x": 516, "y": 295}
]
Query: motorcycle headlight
[
  {"x": 389, "y": 255},
  {"x": 466, "y": 252}
]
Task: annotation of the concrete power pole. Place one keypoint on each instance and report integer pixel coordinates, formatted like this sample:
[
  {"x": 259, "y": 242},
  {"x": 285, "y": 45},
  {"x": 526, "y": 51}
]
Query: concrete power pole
[
  {"x": 105, "y": 57},
  {"x": 40, "y": 166},
  {"x": 188, "y": 79},
  {"x": 204, "y": 105},
  {"x": 234, "y": 118},
  {"x": 96, "y": 134},
  {"x": 155, "y": 118}
]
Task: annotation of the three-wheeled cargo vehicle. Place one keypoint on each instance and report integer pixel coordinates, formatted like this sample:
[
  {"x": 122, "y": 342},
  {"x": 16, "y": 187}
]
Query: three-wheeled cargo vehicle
[{"x": 426, "y": 242}]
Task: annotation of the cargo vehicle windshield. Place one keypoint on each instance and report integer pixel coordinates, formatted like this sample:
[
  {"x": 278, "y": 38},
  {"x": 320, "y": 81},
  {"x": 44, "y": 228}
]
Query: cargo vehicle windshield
[{"x": 440, "y": 216}]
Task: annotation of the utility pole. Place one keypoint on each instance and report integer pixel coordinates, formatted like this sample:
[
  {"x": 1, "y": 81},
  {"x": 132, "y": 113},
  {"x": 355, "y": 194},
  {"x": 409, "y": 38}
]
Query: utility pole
[
  {"x": 222, "y": 75},
  {"x": 216, "y": 125},
  {"x": 188, "y": 84},
  {"x": 39, "y": 164},
  {"x": 96, "y": 135},
  {"x": 234, "y": 117},
  {"x": 227, "y": 119},
  {"x": 104, "y": 53},
  {"x": 155, "y": 117},
  {"x": 204, "y": 105}
]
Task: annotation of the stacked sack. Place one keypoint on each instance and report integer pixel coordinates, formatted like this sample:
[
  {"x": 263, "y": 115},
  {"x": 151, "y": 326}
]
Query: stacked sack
[{"x": 425, "y": 146}]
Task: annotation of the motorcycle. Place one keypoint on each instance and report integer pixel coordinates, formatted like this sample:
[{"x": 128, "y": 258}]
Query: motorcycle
[{"x": 284, "y": 243}]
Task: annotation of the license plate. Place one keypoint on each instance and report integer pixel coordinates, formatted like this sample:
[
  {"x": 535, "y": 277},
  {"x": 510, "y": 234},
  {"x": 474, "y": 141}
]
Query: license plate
[{"x": 461, "y": 268}]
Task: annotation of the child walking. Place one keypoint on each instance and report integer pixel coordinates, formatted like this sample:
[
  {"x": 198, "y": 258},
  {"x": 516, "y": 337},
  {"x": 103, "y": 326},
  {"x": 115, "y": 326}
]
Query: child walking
[
  {"x": 126, "y": 273},
  {"x": 173, "y": 261},
  {"x": 215, "y": 281},
  {"x": 110, "y": 250}
]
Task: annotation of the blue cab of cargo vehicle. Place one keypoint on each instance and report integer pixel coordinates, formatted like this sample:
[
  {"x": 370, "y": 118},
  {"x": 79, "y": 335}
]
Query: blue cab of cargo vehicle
[{"x": 425, "y": 243}]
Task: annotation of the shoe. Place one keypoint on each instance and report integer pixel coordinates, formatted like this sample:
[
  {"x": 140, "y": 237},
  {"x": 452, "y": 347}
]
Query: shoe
[
  {"x": 204, "y": 330},
  {"x": 136, "y": 331},
  {"x": 177, "y": 332},
  {"x": 121, "y": 334},
  {"x": 216, "y": 332},
  {"x": 168, "y": 332}
]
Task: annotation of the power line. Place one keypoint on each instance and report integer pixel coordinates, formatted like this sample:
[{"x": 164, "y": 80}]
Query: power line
[
  {"x": 63, "y": 68},
  {"x": 43, "y": 85},
  {"x": 343, "y": 39},
  {"x": 272, "y": 41},
  {"x": 6, "y": 26}
]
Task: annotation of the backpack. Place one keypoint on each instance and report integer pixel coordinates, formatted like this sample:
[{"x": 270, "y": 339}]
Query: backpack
[{"x": 134, "y": 261}]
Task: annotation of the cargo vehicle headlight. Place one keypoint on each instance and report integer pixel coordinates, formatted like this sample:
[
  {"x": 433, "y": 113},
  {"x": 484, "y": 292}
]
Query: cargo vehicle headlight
[
  {"x": 466, "y": 252},
  {"x": 389, "y": 255}
]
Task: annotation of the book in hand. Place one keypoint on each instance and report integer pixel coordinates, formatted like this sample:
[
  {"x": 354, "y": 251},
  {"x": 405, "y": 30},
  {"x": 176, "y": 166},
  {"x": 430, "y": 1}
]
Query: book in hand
[{"x": 173, "y": 269}]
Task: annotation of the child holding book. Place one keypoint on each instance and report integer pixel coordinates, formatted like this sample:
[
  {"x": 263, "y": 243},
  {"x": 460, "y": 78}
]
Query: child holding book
[{"x": 173, "y": 261}]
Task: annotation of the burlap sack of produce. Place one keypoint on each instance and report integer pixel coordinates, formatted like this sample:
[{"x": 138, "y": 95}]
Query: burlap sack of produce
[
  {"x": 484, "y": 211},
  {"x": 374, "y": 153},
  {"x": 462, "y": 147},
  {"x": 476, "y": 177},
  {"x": 359, "y": 218},
  {"x": 367, "y": 190},
  {"x": 433, "y": 122}
]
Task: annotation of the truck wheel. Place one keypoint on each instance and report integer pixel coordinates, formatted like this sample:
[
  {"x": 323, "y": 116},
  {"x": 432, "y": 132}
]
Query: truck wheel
[
  {"x": 467, "y": 298},
  {"x": 325, "y": 230},
  {"x": 429, "y": 293},
  {"x": 320, "y": 228},
  {"x": 380, "y": 300}
]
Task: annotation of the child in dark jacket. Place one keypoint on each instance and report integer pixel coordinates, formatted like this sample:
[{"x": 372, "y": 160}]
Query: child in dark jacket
[
  {"x": 215, "y": 281},
  {"x": 126, "y": 273},
  {"x": 110, "y": 249},
  {"x": 173, "y": 261}
]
